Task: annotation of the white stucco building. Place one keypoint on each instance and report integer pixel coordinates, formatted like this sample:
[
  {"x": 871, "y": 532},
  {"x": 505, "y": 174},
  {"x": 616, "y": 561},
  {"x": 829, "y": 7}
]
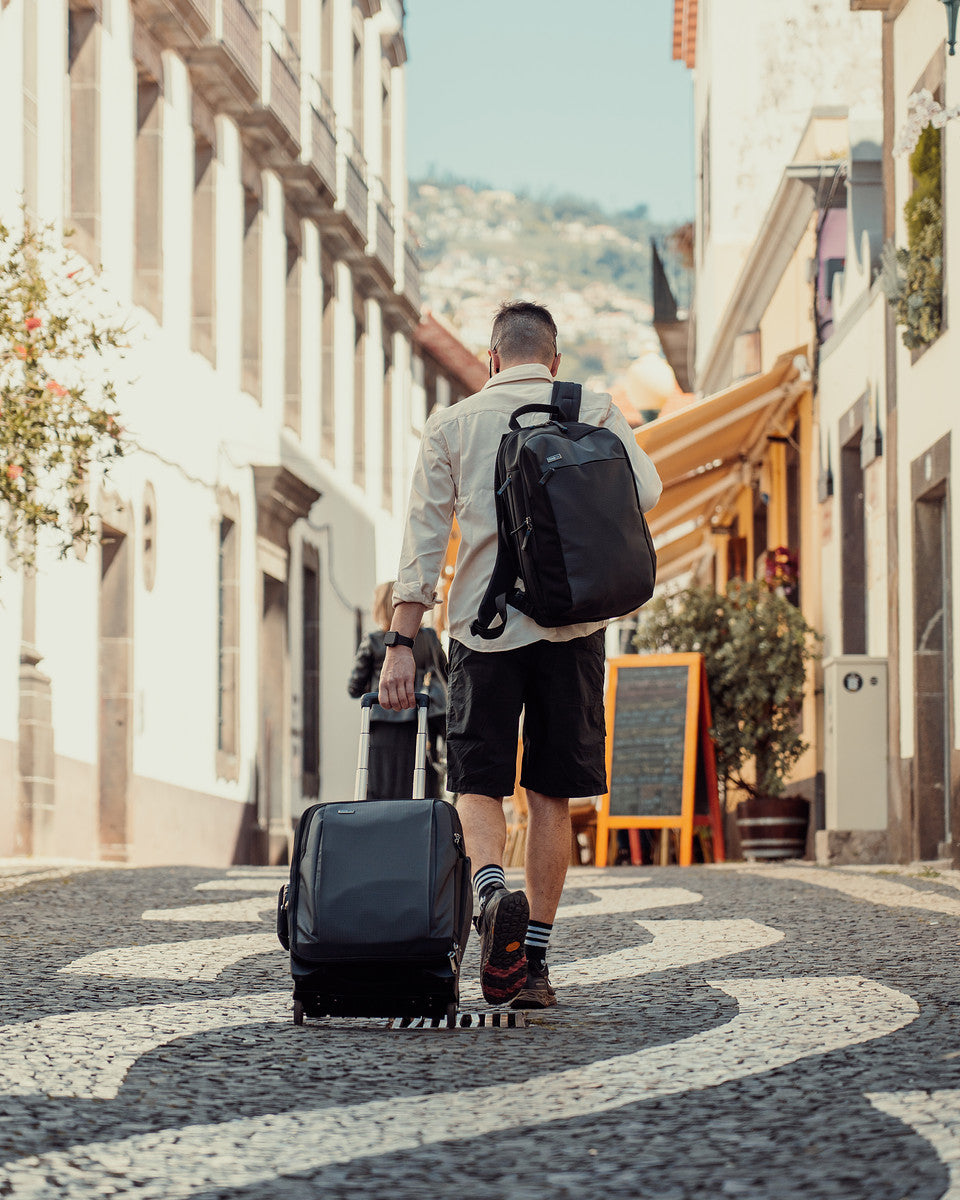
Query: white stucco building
[
  {"x": 239, "y": 172},
  {"x": 759, "y": 70}
]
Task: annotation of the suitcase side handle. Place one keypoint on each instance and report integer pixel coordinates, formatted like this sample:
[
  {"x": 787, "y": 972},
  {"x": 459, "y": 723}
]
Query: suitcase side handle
[{"x": 420, "y": 762}]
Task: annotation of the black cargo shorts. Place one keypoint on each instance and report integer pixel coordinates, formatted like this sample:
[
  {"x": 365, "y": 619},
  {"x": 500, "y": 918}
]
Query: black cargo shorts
[{"x": 558, "y": 686}]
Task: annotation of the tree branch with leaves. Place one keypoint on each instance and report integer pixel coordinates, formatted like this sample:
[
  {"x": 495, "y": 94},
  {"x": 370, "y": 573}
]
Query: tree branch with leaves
[
  {"x": 58, "y": 405},
  {"x": 757, "y": 648}
]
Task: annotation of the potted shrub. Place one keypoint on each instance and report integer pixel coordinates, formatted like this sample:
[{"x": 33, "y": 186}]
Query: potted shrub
[{"x": 756, "y": 647}]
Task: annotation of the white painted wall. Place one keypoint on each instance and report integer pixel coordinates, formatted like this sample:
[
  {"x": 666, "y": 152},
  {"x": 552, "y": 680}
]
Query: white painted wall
[
  {"x": 194, "y": 431},
  {"x": 927, "y": 388},
  {"x": 762, "y": 68},
  {"x": 851, "y": 366}
]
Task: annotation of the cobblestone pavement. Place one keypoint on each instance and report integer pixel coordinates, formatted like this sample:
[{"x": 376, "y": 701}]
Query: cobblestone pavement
[{"x": 759, "y": 1032}]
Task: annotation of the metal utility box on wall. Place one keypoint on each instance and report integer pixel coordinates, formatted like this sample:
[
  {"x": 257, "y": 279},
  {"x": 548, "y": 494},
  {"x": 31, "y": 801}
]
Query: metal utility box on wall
[{"x": 855, "y": 741}]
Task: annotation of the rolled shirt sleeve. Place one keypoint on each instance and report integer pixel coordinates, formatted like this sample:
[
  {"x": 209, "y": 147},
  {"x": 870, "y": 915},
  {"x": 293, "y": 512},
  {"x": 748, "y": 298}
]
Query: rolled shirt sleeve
[
  {"x": 649, "y": 486},
  {"x": 429, "y": 520}
]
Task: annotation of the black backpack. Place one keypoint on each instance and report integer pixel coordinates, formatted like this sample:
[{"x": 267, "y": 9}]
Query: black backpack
[{"x": 573, "y": 544}]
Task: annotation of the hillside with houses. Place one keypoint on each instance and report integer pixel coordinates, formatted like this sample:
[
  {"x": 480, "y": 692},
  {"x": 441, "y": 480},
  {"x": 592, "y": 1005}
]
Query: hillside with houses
[{"x": 480, "y": 245}]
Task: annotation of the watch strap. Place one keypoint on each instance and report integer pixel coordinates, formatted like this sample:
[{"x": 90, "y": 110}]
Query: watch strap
[{"x": 397, "y": 639}]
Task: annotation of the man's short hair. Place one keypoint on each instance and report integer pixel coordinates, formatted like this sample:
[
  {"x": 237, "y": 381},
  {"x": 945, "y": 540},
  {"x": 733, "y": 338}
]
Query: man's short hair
[{"x": 524, "y": 332}]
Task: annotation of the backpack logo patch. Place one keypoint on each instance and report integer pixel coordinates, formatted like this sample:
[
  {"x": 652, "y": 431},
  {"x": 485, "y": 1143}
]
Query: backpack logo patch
[{"x": 555, "y": 458}]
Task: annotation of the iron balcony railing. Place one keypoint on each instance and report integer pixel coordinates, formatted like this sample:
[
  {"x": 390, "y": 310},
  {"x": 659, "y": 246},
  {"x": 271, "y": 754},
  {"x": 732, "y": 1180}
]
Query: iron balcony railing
[
  {"x": 321, "y": 150},
  {"x": 411, "y": 276},
  {"x": 281, "y": 76},
  {"x": 238, "y": 28},
  {"x": 352, "y": 190},
  {"x": 382, "y": 237}
]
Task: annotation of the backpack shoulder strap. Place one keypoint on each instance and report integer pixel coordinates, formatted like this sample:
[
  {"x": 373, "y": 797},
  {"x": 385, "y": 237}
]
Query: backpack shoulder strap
[
  {"x": 566, "y": 397},
  {"x": 502, "y": 581}
]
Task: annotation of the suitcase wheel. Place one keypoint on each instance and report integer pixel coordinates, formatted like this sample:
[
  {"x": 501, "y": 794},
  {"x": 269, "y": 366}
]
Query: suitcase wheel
[{"x": 297, "y": 1013}]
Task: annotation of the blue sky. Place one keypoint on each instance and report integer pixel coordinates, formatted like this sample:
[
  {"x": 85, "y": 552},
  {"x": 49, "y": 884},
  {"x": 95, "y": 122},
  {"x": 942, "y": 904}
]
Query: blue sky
[{"x": 555, "y": 96}]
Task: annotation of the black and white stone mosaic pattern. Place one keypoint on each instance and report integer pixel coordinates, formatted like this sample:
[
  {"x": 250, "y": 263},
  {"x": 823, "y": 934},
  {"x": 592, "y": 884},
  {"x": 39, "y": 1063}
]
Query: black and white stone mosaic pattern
[{"x": 766, "y": 1032}]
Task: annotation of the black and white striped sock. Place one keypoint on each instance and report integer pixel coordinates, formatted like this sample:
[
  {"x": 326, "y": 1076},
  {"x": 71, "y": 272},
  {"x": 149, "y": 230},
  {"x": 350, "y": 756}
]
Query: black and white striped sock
[
  {"x": 536, "y": 942},
  {"x": 487, "y": 880}
]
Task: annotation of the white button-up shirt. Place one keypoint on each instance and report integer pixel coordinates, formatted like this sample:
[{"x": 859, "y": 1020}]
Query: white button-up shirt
[{"x": 454, "y": 475}]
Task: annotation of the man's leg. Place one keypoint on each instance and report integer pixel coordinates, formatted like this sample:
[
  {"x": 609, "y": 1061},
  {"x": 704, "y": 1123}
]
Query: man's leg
[
  {"x": 548, "y": 852},
  {"x": 485, "y": 699},
  {"x": 563, "y": 755},
  {"x": 502, "y": 922},
  {"x": 484, "y": 828}
]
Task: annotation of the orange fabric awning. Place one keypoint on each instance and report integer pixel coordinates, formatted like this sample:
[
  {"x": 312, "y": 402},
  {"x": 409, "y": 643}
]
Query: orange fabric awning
[
  {"x": 699, "y": 450},
  {"x": 682, "y": 553}
]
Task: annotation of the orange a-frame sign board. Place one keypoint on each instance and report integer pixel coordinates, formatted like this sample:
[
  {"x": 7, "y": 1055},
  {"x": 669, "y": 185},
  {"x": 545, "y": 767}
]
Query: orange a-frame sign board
[{"x": 661, "y": 766}]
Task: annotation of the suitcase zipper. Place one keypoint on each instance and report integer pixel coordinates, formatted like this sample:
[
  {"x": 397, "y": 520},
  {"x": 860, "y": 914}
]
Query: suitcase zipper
[{"x": 293, "y": 894}]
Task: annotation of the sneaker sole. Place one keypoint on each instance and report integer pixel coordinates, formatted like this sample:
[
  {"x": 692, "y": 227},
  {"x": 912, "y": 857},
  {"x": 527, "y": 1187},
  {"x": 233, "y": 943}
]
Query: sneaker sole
[
  {"x": 505, "y": 971},
  {"x": 532, "y": 999}
]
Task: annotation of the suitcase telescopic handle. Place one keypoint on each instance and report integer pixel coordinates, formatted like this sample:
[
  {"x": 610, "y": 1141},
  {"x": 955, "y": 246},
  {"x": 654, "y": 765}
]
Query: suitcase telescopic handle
[{"x": 367, "y": 701}]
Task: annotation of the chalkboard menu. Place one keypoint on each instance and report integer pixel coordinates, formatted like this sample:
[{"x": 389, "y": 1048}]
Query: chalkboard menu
[
  {"x": 661, "y": 769},
  {"x": 650, "y": 720}
]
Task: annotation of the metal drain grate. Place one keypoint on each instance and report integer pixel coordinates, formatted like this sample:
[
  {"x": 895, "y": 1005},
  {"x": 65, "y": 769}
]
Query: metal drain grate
[{"x": 465, "y": 1020}]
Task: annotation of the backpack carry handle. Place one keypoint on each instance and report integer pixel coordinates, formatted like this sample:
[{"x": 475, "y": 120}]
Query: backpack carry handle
[{"x": 552, "y": 409}]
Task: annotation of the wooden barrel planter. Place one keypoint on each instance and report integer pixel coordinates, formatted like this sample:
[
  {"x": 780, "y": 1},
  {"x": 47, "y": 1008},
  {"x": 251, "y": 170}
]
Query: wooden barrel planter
[{"x": 773, "y": 827}]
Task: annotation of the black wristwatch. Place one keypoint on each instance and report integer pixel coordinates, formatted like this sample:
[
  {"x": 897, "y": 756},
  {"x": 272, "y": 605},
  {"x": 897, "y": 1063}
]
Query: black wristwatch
[{"x": 397, "y": 639}]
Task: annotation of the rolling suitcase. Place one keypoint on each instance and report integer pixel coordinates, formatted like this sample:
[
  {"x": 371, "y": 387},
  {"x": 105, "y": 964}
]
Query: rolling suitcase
[{"x": 378, "y": 908}]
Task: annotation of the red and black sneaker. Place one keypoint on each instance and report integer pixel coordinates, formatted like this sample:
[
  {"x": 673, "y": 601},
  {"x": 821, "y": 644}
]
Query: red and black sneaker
[
  {"x": 502, "y": 926},
  {"x": 536, "y": 991}
]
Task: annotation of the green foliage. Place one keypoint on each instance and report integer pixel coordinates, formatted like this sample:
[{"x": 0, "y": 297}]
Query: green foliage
[
  {"x": 756, "y": 647},
  {"x": 57, "y": 409},
  {"x": 926, "y": 200},
  {"x": 912, "y": 279}
]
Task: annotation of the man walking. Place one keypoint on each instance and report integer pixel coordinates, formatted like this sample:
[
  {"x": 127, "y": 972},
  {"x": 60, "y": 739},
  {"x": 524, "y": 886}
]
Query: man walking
[{"x": 553, "y": 676}]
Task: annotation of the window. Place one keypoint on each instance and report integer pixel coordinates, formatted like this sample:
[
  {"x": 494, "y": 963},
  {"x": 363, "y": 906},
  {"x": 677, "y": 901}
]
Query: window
[
  {"x": 326, "y": 47},
  {"x": 359, "y": 396},
  {"x": 148, "y": 228},
  {"x": 386, "y": 133},
  {"x": 794, "y": 497},
  {"x": 291, "y": 22},
  {"x": 357, "y": 124},
  {"x": 149, "y": 546},
  {"x": 705, "y": 177},
  {"x": 228, "y": 647},
  {"x": 853, "y": 600},
  {"x": 327, "y": 408},
  {"x": 30, "y": 90},
  {"x": 387, "y": 423},
  {"x": 292, "y": 374},
  {"x": 311, "y": 672},
  {"x": 83, "y": 66},
  {"x": 251, "y": 289},
  {"x": 203, "y": 329},
  {"x": 761, "y": 503}
]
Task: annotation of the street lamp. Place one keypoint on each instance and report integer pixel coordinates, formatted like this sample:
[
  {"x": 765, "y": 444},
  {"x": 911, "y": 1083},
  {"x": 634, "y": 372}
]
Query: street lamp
[{"x": 952, "y": 8}]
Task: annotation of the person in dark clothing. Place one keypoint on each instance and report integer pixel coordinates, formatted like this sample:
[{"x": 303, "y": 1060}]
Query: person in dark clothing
[{"x": 393, "y": 733}]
